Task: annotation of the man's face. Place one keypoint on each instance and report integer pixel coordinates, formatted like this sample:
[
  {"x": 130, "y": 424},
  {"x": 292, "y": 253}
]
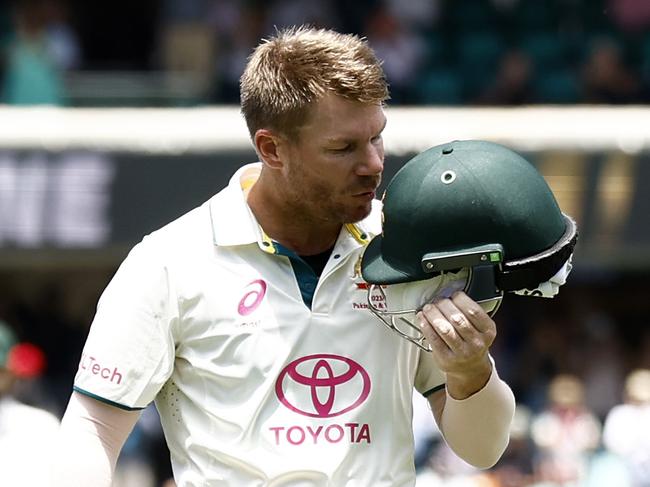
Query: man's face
[{"x": 335, "y": 166}]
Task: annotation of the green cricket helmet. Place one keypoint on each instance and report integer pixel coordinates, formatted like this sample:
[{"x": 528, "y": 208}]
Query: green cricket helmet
[{"x": 470, "y": 215}]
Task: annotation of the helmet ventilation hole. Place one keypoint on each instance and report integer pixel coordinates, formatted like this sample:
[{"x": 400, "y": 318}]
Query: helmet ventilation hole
[{"x": 448, "y": 177}]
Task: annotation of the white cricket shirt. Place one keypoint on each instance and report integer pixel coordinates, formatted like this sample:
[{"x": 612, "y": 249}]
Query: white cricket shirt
[{"x": 206, "y": 317}]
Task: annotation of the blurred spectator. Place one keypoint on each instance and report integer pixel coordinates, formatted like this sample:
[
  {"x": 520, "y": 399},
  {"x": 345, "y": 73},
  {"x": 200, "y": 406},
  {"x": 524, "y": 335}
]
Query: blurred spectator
[
  {"x": 204, "y": 44},
  {"x": 600, "y": 362},
  {"x": 61, "y": 40},
  {"x": 48, "y": 323},
  {"x": 627, "y": 428},
  {"x": 184, "y": 11},
  {"x": 513, "y": 82},
  {"x": 605, "y": 77},
  {"x": 644, "y": 350},
  {"x": 188, "y": 43},
  {"x": 565, "y": 433},
  {"x": 42, "y": 48},
  {"x": 421, "y": 14},
  {"x": 515, "y": 469},
  {"x": 446, "y": 469},
  {"x": 236, "y": 48},
  {"x": 543, "y": 353},
  {"x": 631, "y": 15},
  {"x": 607, "y": 470},
  {"x": 401, "y": 50},
  {"x": 26, "y": 432}
]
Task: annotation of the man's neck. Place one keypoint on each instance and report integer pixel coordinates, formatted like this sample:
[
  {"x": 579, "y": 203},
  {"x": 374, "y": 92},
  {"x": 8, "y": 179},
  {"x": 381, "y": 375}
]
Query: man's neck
[{"x": 287, "y": 228}]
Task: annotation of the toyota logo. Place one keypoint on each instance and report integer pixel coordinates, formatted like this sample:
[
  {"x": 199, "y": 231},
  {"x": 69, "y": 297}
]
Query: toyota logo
[{"x": 322, "y": 385}]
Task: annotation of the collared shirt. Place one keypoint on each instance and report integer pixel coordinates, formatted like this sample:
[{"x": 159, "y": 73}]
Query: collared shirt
[{"x": 208, "y": 317}]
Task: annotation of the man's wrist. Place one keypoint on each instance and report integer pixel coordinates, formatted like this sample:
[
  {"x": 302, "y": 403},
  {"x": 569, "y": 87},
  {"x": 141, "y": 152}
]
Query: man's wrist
[
  {"x": 477, "y": 427},
  {"x": 461, "y": 385}
]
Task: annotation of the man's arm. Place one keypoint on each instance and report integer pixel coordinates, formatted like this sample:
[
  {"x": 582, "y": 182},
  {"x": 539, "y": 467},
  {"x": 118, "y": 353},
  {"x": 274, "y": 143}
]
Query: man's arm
[
  {"x": 475, "y": 411},
  {"x": 90, "y": 439}
]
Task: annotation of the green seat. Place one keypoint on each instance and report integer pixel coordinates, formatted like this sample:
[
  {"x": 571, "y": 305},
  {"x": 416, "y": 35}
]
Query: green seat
[
  {"x": 440, "y": 87},
  {"x": 557, "y": 87},
  {"x": 535, "y": 16},
  {"x": 546, "y": 51},
  {"x": 437, "y": 50},
  {"x": 478, "y": 59},
  {"x": 468, "y": 16}
]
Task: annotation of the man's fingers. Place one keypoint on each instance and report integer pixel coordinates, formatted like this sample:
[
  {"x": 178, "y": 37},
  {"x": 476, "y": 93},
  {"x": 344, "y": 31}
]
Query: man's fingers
[
  {"x": 436, "y": 326},
  {"x": 458, "y": 321},
  {"x": 456, "y": 317},
  {"x": 434, "y": 340},
  {"x": 473, "y": 312}
]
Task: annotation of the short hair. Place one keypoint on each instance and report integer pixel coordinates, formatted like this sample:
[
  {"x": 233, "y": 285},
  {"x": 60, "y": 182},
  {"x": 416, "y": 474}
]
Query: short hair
[{"x": 290, "y": 71}]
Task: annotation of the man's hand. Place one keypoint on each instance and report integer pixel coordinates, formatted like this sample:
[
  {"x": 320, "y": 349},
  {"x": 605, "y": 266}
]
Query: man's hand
[{"x": 460, "y": 333}]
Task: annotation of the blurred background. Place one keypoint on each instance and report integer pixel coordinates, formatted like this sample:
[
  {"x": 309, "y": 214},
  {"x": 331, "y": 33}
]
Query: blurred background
[{"x": 117, "y": 117}]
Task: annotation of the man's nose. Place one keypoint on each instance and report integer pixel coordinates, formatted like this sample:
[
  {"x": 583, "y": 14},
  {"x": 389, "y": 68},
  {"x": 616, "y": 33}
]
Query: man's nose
[{"x": 373, "y": 161}]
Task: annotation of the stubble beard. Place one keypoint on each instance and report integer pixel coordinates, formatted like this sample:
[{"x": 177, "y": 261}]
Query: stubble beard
[
  {"x": 324, "y": 209},
  {"x": 315, "y": 202}
]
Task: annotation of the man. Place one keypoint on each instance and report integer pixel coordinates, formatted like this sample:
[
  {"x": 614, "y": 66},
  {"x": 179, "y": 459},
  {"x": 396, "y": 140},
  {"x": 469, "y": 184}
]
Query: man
[
  {"x": 27, "y": 433},
  {"x": 626, "y": 425},
  {"x": 246, "y": 321}
]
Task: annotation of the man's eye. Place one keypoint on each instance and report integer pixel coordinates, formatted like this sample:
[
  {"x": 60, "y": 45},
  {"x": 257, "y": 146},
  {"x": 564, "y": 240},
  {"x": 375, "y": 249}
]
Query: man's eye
[{"x": 340, "y": 149}]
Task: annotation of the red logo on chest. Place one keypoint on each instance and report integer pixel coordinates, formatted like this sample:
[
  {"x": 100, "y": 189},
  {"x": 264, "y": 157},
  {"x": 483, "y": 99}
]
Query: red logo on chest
[{"x": 310, "y": 385}]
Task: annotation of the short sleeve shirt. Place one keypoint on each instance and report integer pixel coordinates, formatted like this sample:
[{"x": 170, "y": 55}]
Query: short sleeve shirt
[{"x": 206, "y": 318}]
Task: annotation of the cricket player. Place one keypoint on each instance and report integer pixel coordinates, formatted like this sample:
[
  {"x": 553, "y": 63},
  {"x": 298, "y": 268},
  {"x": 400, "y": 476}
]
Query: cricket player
[
  {"x": 27, "y": 433},
  {"x": 247, "y": 319}
]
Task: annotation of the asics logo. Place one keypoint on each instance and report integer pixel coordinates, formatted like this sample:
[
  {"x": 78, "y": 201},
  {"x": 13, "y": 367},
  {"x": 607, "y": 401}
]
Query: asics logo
[{"x": 254, "y": 293}]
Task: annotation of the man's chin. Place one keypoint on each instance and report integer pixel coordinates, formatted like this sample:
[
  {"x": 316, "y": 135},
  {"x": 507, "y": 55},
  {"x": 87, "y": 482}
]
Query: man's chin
[{"x": 359, "y": 213}]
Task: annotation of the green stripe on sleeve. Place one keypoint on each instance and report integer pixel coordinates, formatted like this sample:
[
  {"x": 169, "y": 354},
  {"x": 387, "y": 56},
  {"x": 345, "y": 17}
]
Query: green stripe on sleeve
[
  {"x": 431, "y": 391},
  {"x": 104, "y": 400}
]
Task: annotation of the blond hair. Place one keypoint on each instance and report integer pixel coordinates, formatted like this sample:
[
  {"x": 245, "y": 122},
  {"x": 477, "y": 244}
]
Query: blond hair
[{"x": 289, "y": 72}]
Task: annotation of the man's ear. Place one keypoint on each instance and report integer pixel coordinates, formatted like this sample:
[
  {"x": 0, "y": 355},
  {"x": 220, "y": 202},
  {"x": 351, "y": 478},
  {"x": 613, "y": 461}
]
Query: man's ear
[{"x": 267, "y": 144}]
